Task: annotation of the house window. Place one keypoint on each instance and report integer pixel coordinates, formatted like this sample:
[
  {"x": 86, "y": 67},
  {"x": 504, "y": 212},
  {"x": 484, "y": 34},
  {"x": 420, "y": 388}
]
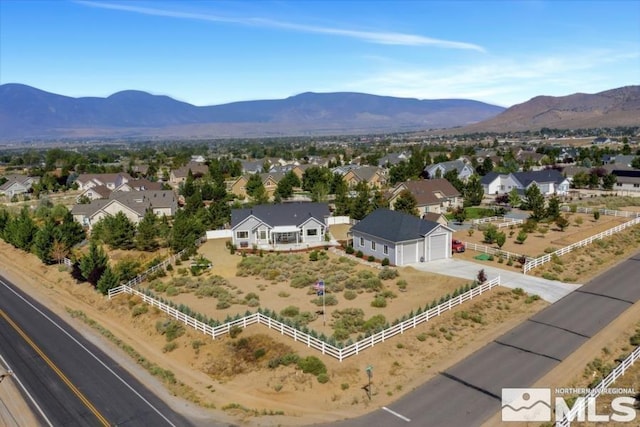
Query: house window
[
  {"x": 385, "y": 250},
  {"x": 242, "y": 234},
  {"x": 636, "y": 185},
  {"x": 362, "y": 241},
  {"x": 373, "y": 246},
  {"x": 312, "y": 232},
  {"x": 263, "y": 234}
]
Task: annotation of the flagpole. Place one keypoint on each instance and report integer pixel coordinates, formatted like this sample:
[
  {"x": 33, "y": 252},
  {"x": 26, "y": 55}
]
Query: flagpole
[{"x": 324, "y": 314}]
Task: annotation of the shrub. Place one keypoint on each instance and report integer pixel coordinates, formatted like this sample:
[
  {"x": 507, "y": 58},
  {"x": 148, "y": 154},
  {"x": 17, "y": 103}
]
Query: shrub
[
  {"x": 235, "y": 331},
  {"x": 350, "y": 295},
  {"x": 379, "y": 302},
  {"x": 596, "y": 215},
  {"x": 329, "y": 299},
  {"x": 290, "y": 311},
  {"x": 170, "y": 346},
  {"x": 402, "y": 284},
  {"x": 313, "y": 256},
  {"x": 531, "y": 298},
  {"x": 359, "y": 254},
  {"x": 371, "y": 258},
  {"x": 312, "y": 365},
  {"x": 385, "y": 262},
  {"x": 323, "y": 378},
  {"x": 171, "y": 329},
  {"x": 421, "y": 337},
  {"x": 138, "y": 310},
  {"x": 349, "y": 250},
  {"x": 388, "y": 273}
]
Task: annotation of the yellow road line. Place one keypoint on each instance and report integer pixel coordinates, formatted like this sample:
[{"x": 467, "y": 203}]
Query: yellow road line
[{"x": 57, "y": 370}]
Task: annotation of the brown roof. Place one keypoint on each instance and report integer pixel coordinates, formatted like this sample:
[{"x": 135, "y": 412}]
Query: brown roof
[{"x": 430, "y": 191}]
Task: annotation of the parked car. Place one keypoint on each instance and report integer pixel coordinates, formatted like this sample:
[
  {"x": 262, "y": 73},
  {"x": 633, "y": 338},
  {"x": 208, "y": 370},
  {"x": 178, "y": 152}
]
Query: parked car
[{"x": 457, "y": 246}]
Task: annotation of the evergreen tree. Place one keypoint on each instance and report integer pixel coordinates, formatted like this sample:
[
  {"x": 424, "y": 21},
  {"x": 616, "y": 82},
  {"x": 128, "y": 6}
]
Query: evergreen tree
[
  {"x": 186, "y": 229},
  {"x": 473, "y": 191},
  {"x": 43, "y": 242},
  {"x": 514, "y": 198},
  {"x": 406, "y": 202},
  {"x": 21, "y": 230},
  {"x": 93, "y": 264},
  {"x": 108, "y": 280},
  {"x": 535, "y": 202},
  {"x": 254, "y": 186},
  {"x": 553, "y": 208},
  {"x": 121, "y": 231},
  {"x": 147, "y": 235}
]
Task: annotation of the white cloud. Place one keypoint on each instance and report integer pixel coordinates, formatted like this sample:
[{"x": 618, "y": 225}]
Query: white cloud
[
  {"x": 501, "y": 81},
  {"x": 386, "y": 38}
]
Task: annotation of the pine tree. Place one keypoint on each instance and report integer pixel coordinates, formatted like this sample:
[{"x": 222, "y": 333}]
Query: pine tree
[
  {"x": 147, "y": 235},
  {"x": 93, "y": 264},
  {"x": 108, "y": 280},
  {"x": 43, "y": 242}
]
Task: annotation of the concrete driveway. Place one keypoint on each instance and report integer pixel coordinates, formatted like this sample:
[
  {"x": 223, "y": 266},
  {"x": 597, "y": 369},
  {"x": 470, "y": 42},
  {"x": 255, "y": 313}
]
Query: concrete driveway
[{"x": 549, "y": 290}]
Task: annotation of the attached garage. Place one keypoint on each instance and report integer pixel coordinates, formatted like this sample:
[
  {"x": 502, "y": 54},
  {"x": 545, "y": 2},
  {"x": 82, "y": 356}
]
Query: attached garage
[{"x": 439, "y": 246}]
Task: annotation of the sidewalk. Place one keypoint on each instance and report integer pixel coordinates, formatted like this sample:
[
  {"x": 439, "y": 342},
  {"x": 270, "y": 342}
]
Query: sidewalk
[{"x": 548, "y": 290}]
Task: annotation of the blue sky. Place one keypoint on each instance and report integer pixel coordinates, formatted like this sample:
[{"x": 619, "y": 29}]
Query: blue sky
[{"x": 214, "y": 52}]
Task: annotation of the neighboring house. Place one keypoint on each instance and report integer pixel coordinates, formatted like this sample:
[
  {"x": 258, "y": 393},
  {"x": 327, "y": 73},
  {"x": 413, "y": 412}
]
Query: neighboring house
[
  {"x": 285, "y": 223},
  {"x": 17, "y": 184},
  {"x": 402, "y": 238},
  {"x": 432, "y": 195},
  {"x": 549, "y": 181},
  {"x": 95, "y": 193},
  {"x": 627, "y": 179},
  {"x": 109, "y": 180},
  {"x": 140, "y": 185},
  {"x": 134, "y": 204},
  {"x": 269, "y": 180},
  {"x": 601, "y": 140},
  {"x": 374, "y": 176},
  {"x": 620, "y": 160},
  {"x": 393, "y": 159},
  {"x": 252, "y": 166},
  {"x": 178, "y": 176},
  {"x": 438, "y": 170}
]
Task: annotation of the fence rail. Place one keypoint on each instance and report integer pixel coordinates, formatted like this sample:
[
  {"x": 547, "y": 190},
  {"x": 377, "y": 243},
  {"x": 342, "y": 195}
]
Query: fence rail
[
  {"x": 310, "y": 341},
  {"x": 491, "y": 251},
  {"x": 536, "y": 262},
  {"x": 595, "y": 392}
]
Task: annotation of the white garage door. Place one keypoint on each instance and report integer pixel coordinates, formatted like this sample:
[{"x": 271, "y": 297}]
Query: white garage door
[{"x": 438, "y": 246}]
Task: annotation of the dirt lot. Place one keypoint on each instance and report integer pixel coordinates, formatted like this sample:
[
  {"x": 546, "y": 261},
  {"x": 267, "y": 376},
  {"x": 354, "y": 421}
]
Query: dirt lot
[{"x": 575, "y": 267}]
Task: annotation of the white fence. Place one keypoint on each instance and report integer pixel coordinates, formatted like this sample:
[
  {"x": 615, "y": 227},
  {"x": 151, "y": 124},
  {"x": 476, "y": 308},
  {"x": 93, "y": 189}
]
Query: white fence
[
  {"x": 498, "y": 221},
  {"x": 531, "y": 264},
  {"x": 334, "y": 220},
  {"x": 491, "y": 251},
  {"x": 618, "y": 372},
  {"x": 325, "y": 348},
  {"x": 219, "y": 234}
]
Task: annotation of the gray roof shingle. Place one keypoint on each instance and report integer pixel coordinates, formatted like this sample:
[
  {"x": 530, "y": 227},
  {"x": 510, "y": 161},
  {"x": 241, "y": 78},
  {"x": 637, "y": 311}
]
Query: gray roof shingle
[
  {"x": 282, "y": 214},
  {"x": 394, "y": 226}
]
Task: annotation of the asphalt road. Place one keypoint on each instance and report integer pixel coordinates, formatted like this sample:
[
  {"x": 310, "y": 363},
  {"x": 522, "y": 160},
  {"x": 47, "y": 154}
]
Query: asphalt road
[
  {"x": 73, "y": 382},
  {"x": 469, "y": 392}
]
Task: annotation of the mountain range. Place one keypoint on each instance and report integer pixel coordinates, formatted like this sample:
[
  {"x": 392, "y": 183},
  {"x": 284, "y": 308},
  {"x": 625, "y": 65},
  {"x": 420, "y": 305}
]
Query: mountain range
[{"x": 30, "y": 113}]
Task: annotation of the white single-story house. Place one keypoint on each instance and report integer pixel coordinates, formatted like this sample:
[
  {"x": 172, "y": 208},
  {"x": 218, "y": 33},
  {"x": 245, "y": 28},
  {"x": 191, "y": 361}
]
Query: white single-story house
[
  {"x": 134, "y": 204},
  {"x": 549, "y": 181},
  {"x": 272, "y": 226},
  {"x": 401, "y": 237}
]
